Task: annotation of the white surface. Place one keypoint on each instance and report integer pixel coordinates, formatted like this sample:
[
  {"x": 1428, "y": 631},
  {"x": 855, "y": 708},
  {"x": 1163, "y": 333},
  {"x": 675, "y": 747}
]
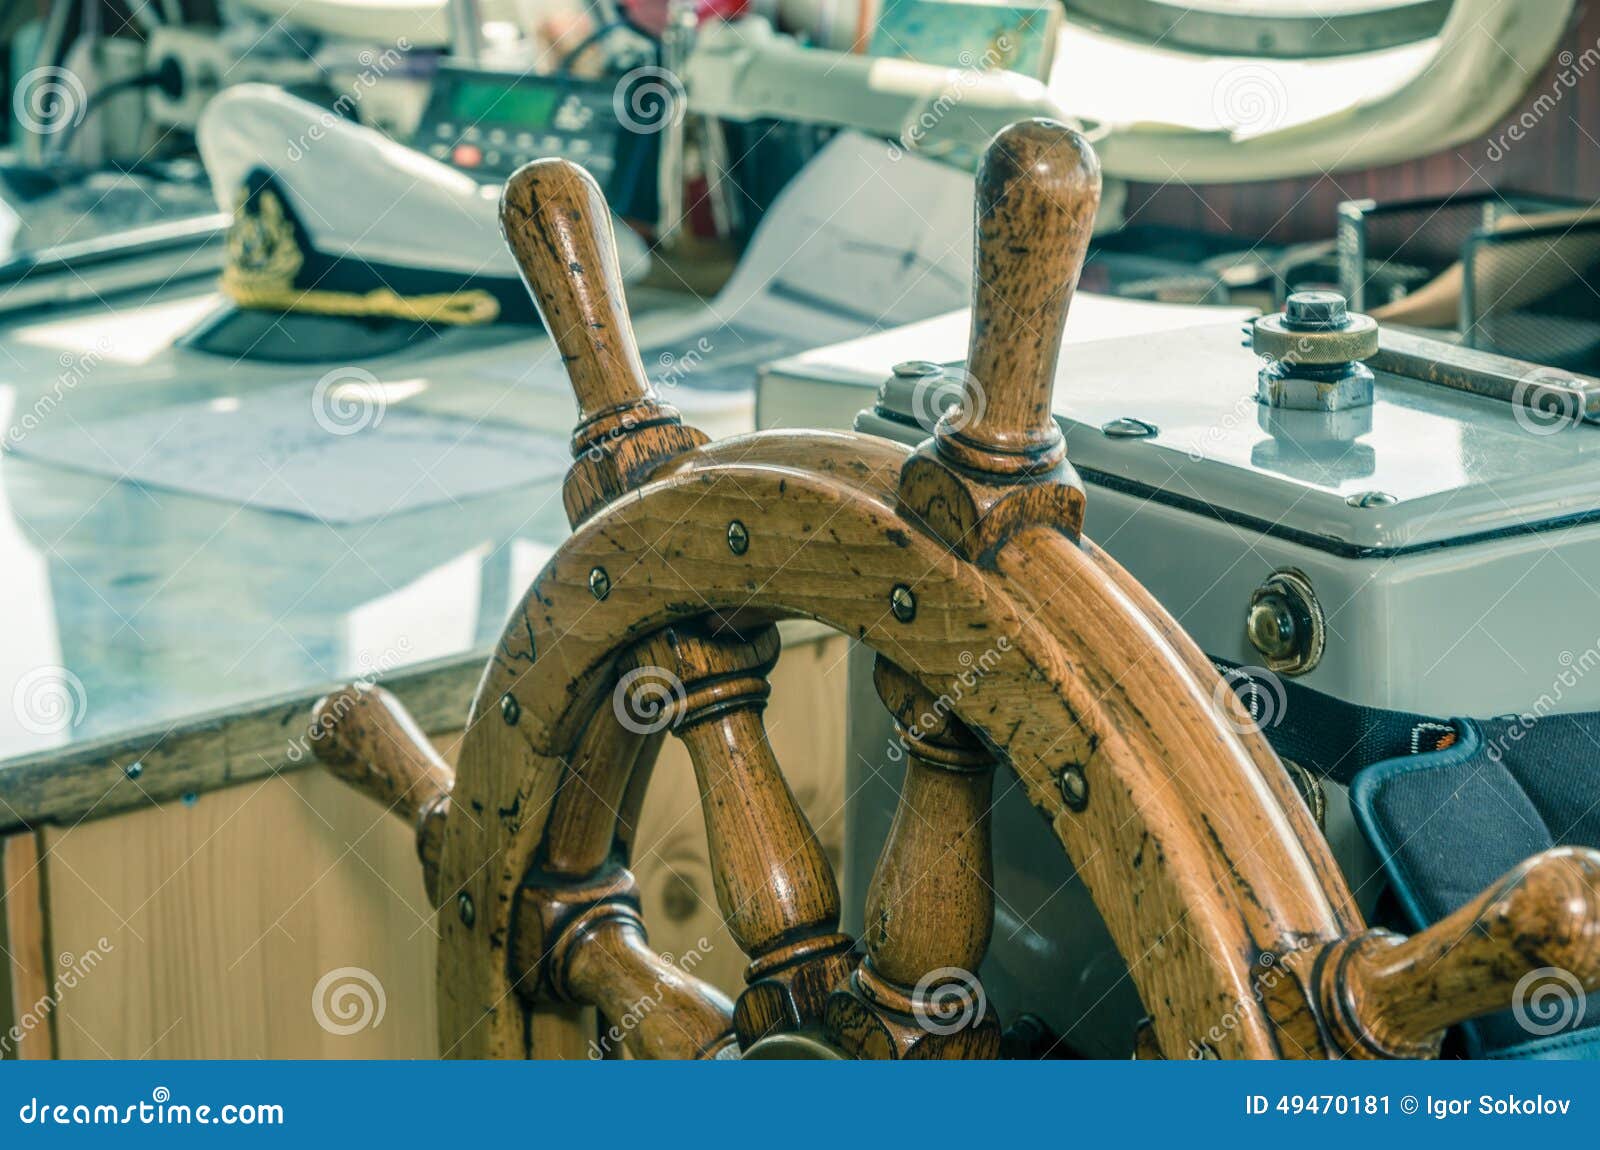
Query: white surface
[
  {"x": 343, "y": 453},
  {"x": 1458, "y": 465}
]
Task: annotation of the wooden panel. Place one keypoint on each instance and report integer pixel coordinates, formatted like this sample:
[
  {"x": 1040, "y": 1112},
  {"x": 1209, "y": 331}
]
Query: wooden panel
[
  {"x": 26, "y": 1021},
  {"x": 223, "y": 916},
  {"x": 199, "y": 754}
]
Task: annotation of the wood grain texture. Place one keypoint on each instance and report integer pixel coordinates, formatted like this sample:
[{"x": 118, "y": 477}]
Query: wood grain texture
[
  {"x": 1031, "y": 705},
  {"x": 583, "y": 941},
  {"x": 1196, "y": 849},
  {"x": 773, "y": 881},
  {"x": 368, "y": 740},
  {"x": 998, "y": 462},
  {"x": 1384, "y": 996},
  {"x": 1038, "y": 189},
  {"x": 207, "y": 752},
  {"x": 223, "y": 918},
  {"x": 930, "y": 905},
  {"x": 669, "y": 853},
  {"x": 1273, "y": 775},
  {"x": 659, "y": 1011},
  {"x": 30, "y": 973},
  {"x": 555, "y": 219}
]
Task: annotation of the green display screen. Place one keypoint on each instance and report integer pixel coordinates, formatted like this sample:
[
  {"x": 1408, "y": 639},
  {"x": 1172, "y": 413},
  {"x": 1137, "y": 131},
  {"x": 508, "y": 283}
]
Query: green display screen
[{"x": 487, "y": 101}]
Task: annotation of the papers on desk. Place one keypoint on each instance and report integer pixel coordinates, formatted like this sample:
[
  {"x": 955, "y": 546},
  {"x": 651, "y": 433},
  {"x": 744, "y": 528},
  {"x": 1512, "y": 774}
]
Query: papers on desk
[
  {"x": 858, "y": 242},
  {"x": 342, "y": 451}
]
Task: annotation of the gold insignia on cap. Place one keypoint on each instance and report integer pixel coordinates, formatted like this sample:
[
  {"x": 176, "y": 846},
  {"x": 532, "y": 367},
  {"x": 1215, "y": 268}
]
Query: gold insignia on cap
[
  {"x": 263, "y": 254},
  {"x": 264, "y": 257}
]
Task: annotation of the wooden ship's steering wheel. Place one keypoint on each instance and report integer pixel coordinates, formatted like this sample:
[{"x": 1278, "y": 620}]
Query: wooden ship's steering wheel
[{"x": 1003, "y": 637}]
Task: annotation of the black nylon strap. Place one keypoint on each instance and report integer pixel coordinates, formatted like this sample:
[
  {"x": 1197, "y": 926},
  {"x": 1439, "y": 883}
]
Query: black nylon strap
[{"x": 1327, "y": 735}]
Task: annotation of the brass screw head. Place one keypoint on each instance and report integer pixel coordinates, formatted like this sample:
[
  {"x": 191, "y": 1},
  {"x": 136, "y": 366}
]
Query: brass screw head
[
  {"x": 1285, "y": 623},
  {"x": 1271, "y": 627},
  {"x": 599, "y": 583},
  {"x": 1074, "y": 787},
  {"x": 903, "y": 603},
  {"x": 510, "y": 709},
  {"x": 738, "y": 538}
]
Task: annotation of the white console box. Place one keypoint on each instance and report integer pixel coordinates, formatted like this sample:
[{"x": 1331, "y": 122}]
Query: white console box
[{"x": 1469, "y": 587}]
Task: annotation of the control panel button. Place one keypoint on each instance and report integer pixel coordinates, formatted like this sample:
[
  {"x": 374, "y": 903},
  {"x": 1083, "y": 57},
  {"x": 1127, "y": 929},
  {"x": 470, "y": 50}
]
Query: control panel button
[{"x": 467, "y": 156}]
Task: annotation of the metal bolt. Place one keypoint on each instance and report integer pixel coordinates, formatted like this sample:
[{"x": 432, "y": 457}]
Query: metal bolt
[
  {"x": 1129, "y": 428},
  {"x": 1284, "y": 622},
  {"x": 903, "y": 603},
  {"x": 510, "y": 709},
  {"x": 599, "y": 583},
  {"x": 738, "y": 538},
  {"x": 1074, "y": 786},
  {"x": 916, "y": 369},
  {"x": 134, "y": 770},
  {"x": 1368, "y": 499},
  {"x": 1271, "y": 628},
  {"x": 1316, "y": 310},
  {"x": 464, "y": 907}
]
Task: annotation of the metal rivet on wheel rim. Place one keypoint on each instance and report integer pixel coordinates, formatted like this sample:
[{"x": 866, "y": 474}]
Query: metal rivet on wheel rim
[{"x": 1074, "y": 787}]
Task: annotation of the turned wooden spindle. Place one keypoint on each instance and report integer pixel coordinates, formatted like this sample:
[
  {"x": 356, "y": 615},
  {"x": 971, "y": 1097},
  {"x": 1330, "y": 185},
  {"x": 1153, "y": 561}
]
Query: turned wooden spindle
[
  {"x": 997, "y": 460},
  {"x": 581, "y": 836},
  {"x": 1037, "y": 194},
  {"x": 584, "y": 942},
  {"x": 363, "y": 735},
  {"x": 930, "y": 906},
  {"x": 1382, "y": 996},
  {"x": 555, "y": 219},
  {"x": 774, "y": 885}
]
